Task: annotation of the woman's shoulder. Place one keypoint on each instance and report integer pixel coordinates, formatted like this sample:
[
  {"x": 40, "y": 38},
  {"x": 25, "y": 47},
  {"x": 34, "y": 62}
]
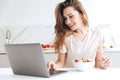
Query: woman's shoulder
[
  {"x": 96, "y": 33},
  {"x": 95, "y": 30}
]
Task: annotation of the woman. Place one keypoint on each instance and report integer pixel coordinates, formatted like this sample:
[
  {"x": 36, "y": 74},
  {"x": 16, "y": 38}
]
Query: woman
[{"x": 74, "y": 38}]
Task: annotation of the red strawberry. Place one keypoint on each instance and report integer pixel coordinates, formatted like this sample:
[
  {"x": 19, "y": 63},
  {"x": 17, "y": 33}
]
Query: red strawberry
[
  {"x": 111, "y": 46},
  {"x": 76, "y": 60},
  {"x": 44, "y": 46},
  {"x": 52, "y": 46},
  {"x": 47, "y": 45}
]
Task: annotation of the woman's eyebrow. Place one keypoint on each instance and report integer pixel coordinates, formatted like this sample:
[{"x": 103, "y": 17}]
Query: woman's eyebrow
[{"x": 68, "y": 15}]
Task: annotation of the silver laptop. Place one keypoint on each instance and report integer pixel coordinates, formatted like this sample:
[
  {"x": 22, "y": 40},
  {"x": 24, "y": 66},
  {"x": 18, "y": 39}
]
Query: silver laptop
[{"x": 28, "y": 59}]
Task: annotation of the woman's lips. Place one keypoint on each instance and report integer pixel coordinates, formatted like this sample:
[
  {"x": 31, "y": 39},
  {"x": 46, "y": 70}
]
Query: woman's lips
[{"x": 71, "y": 26}]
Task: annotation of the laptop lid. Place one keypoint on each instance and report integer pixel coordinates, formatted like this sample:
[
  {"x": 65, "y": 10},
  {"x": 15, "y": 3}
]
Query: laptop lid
[{"x": 27, "y": 59}]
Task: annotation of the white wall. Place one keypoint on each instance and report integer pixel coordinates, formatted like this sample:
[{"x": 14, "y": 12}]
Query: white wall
[
  {"x": 38, "y": 15},
  {"x": 27, "y": 12},
  {"x": 28, "y": 20},
  {"x": 34, "y": 12}
]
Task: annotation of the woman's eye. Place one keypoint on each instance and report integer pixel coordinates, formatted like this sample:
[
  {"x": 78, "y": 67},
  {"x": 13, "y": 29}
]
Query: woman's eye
[
  {"x": 71, "y": 16},
  {"x": 64, "y": 19}
]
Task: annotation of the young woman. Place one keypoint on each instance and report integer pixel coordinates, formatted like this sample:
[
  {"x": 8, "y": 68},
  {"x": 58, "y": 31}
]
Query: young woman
[{"x": 74, "y": 38}]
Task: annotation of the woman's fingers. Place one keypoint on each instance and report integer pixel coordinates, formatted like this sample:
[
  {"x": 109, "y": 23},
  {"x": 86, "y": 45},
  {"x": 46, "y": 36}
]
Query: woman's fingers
[
  {"x": 51, "y": 66},
  {"x": 106, "y": 62}
]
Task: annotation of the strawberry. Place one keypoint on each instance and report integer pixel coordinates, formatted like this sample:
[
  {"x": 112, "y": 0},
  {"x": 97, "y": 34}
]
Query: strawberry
[
  {"x": 111, "y": 46},
  {"x": 52, "y": 46},
  {"x": 76, "y": 60},
  {"x": 47, "y": 45},
  {"x": 43, "y": 46}
]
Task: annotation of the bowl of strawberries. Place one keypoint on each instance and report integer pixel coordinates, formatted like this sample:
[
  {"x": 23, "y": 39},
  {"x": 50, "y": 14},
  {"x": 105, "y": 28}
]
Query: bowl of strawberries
[{"x": 83, "y": 64}]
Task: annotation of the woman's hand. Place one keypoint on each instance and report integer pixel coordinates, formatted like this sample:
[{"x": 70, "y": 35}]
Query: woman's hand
[
  {"x": 100, "y": 60},
  {"x": 106, "y": 62},
  {"x": 51, "y": 66}
]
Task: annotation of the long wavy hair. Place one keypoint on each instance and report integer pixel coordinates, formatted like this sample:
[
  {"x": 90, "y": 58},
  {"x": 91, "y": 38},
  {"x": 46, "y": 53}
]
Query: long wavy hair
[{"x": 61, "y": 30}]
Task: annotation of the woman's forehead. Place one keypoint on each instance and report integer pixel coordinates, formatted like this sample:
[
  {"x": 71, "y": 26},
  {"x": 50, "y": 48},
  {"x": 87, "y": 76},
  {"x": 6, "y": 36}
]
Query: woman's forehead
[{"x": 69, "y": 10}]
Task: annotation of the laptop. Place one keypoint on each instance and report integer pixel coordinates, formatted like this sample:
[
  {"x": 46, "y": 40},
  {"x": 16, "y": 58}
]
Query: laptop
[{"x": 29, "y": 59}]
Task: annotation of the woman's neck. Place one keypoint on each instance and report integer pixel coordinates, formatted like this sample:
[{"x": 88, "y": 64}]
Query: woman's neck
[
  {"x": 80, "y": 34},
  {"x": 81, "y": 30}
]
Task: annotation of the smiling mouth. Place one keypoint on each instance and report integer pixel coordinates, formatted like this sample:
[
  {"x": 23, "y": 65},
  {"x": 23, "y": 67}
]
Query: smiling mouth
[{"x": 71, "y": 26}]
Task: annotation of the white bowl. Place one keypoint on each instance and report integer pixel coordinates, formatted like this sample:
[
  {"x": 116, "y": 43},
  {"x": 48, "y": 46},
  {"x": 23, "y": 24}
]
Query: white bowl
[{"x": 83, "y": 66}]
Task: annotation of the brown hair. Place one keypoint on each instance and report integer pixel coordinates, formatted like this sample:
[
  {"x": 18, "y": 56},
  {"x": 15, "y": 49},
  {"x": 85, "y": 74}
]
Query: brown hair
[{"x": 61, "y": 30}]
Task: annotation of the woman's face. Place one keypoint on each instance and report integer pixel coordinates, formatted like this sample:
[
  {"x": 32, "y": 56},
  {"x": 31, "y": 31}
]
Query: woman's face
[{"x": 72, "y": 18}]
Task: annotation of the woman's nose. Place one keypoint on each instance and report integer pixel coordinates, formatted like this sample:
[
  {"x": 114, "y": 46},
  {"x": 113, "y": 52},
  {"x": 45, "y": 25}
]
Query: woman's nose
[{"x": 68, "y": 21}]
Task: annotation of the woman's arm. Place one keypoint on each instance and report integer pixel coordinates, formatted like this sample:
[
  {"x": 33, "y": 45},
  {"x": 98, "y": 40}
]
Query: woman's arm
[
  {"x": 59, "y": 63},
  {"x": 100, "y": 60},
  {"x": 61, "y": 60}
]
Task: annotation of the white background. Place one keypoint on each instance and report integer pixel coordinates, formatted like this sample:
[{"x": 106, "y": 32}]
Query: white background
[{"x": 38, "y": 15}]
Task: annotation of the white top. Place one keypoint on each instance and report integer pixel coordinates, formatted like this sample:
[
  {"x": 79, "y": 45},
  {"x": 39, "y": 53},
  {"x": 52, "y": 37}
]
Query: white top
[{"x": 86, "y": 48}]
